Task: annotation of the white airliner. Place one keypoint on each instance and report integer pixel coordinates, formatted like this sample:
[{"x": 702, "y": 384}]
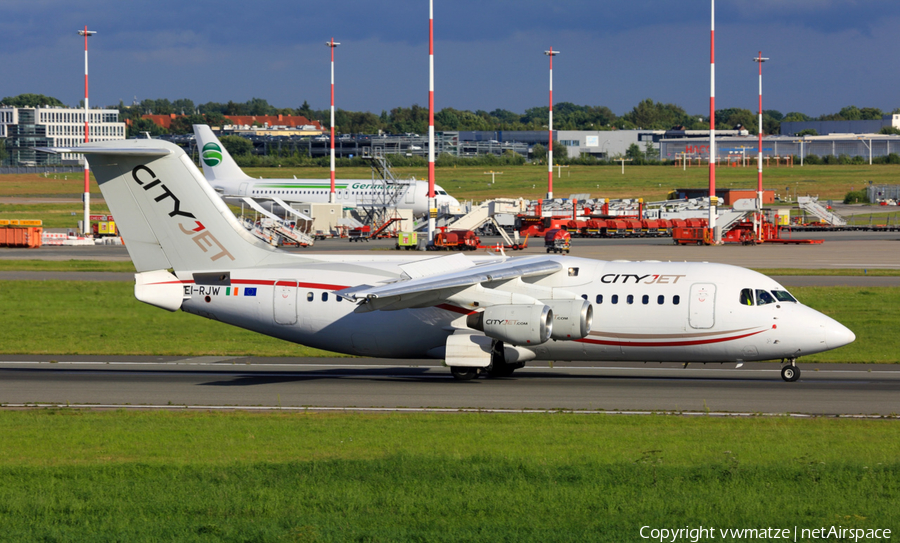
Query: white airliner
[
  {"x": 487, "y": 314},
  {"x": 227, "y": 178}
]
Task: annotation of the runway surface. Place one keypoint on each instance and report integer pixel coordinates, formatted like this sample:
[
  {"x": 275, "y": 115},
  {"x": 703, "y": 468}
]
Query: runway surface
[{"x": 756, "y": 388}]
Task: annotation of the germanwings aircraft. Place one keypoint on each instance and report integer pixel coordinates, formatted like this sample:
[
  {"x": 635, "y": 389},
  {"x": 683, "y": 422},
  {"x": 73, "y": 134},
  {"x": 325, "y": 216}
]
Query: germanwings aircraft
[
  {"x": 484, "y": 314},
  {"x": 227, "y": 178}
]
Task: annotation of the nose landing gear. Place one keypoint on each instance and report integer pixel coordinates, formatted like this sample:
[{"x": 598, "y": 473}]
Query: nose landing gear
[{"x": 790, "y": 372}]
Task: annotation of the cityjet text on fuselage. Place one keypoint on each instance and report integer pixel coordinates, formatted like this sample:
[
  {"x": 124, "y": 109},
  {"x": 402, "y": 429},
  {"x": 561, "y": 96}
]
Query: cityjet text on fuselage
[{"x": 646, "y": 279}]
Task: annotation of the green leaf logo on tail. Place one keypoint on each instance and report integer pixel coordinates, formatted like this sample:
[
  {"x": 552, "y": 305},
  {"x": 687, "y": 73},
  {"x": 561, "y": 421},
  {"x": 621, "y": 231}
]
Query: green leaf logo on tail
[{"x": 212, "y": 154}]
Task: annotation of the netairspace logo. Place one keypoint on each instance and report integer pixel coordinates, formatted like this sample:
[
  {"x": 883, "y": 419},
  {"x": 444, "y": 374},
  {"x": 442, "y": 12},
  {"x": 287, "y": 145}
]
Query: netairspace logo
[
  {"x": 212, "y": 154},
  {"x": 832, "y": 533}
]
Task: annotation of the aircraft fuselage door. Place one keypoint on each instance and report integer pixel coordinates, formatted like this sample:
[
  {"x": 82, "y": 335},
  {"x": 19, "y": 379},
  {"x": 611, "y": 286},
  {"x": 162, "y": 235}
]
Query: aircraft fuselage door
[
  {"x": 411, "y": 193},
  {"x": 242, "y": 190},
  {"x": 702, "y": 305},
  {"x": 285, "y": 302}
]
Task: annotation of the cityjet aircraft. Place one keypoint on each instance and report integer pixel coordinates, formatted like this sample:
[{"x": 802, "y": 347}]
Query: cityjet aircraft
[
  {"x": 227, "y": 178},
  {"x": 486, "y": 314}
]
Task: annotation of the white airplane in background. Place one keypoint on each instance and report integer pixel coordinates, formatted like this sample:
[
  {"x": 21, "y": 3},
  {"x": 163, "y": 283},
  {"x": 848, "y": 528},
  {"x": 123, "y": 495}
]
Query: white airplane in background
[
  {"x": 227, "y": 178},
  {"x": 487, "y": 313}
]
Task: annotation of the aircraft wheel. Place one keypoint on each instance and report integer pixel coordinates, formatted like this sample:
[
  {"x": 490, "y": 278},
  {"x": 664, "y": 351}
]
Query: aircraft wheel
[
  {"x": 463, "y": 373},
  {"x": 503, "y": 369},
  {"x": 790, "y": 373}
]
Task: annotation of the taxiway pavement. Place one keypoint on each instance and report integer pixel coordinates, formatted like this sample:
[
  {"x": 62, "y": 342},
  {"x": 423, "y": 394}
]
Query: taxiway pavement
[{"x": 755, "y": 388}]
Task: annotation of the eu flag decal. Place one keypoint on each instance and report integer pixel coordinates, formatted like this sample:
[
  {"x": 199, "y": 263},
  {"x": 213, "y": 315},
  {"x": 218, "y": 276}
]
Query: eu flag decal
[{"x": 250, "y": 291}]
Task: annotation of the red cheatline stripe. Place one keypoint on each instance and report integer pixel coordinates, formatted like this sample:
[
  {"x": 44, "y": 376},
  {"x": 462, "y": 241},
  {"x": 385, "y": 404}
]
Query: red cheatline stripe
[{"x": 666, "y": 343}]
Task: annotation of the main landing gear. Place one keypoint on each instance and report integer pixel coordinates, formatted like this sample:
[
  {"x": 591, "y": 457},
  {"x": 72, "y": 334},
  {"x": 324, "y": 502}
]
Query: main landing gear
[
  {"x": 499, "y": 366},
  {"x": 464, "y": 373},
  {"x": 790, "y": 372}
]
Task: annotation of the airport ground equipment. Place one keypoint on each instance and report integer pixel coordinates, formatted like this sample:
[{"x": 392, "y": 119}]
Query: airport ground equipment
[
  {"x": 557, "y": 240},
  {"x": 811, "y": 205},
  {"x": 407, "y": 240},
  {"x": 456, "y": 240},
  {"x": 21, "y": 233}
]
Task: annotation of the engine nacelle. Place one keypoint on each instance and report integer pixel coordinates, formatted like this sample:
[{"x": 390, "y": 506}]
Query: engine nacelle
[
  {"x": 571, "y": 318},
  {"x": 514, "y": 324}
]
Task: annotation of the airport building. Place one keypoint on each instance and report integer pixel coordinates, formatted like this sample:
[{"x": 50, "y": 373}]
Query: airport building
[
  {"x": 735, "y": 149},
  {"x": 822, "y": 128},
  {"x": 24, "y": 128}
]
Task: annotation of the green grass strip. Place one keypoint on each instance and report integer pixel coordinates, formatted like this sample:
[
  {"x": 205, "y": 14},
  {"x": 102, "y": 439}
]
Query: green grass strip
[
  {"x": 843, "y": 272},
  {"x": 83, "y": 317},
  {"x": 164, "y": 476},
  {"x": 67, "y": 265}
]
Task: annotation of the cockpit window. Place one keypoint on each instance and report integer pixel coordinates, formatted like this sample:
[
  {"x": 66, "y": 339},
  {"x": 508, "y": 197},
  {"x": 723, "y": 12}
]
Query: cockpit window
[
  {"x": 783, "y": 296},
  {"x": 747, "y": 296},
  {"x": 763, "y": 297}
]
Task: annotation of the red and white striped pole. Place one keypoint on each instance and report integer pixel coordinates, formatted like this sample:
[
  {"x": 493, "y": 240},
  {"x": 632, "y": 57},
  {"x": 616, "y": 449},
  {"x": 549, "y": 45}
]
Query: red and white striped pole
[
  {"x": 759, "y": 187},
  {"x": 712, "y": 126},
  {"x": 87, "y": 173},
  {"x": 331, "y": 45},
  {"x": 551, "y": 53},
  {"x": 432, "y": 205}
]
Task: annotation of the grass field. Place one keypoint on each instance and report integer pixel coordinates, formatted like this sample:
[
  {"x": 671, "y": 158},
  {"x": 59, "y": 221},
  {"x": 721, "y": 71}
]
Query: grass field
[
  {"x": 530, "y": 181},
  {"x": 54, "y": 215},
  {"x": 166, "y": 476},
  {"x": 71, "y": 265},
  {"x": 79, "y": 317}
]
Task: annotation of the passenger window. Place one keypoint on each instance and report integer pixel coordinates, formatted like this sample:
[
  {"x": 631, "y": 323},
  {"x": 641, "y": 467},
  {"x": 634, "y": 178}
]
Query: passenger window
[
  {"x": 584, "y": 296},
  {"x": 645, "y": 299},
  {"x": 324, "y": 296},
  {"x": 763, "y": 297},
  {"x": 660, "y": 299},
  {"x": 747, "y": 296},
  {"x": 630, "y": 299},
  {"x": 676, "y": 299},
  {"x": 338, "y": 298},
  {"x": 615, "y": 298},
  {"x": 599, "y": 299},
  {"x": 309, "y": 296}
]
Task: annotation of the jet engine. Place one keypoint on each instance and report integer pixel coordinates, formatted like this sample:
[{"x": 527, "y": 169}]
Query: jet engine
[
  {"x": 571, "y": 318},
  {"x": 514, "y": 324}
]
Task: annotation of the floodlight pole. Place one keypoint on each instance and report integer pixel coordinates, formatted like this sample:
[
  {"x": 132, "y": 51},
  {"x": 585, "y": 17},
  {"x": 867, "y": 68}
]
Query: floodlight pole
[
  {"x": 86, "y": 225},
  {"x": 432, "y": 204},
  {"x": 331, "y": 45},
  {"x": 551, "y": 53},
  {"x": 712, "y": 126},
  {"x": 759, "y": 187}
]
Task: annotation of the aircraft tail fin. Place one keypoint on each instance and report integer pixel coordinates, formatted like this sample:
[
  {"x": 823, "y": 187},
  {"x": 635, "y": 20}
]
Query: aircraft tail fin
[
  {"x": 167, "y": 214},
  {"x": 217, "y": 162}
]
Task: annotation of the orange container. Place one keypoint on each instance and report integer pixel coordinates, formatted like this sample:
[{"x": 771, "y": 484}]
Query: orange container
[{"x": 21, "y": 237}]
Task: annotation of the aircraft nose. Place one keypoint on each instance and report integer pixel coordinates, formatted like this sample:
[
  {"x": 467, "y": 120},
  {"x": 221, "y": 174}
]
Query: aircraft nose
[{"x": 838, "y": 335}]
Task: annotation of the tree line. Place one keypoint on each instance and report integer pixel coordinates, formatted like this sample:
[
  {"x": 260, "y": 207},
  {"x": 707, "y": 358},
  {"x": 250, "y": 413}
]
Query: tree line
[{"x": 647, "y": 114}]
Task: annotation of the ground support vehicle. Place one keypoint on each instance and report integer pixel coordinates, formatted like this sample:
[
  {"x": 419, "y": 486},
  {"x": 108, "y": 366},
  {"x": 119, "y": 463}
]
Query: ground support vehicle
[
  {"x": 557, "y": 240},
  {"x": 456, "y": 240}
]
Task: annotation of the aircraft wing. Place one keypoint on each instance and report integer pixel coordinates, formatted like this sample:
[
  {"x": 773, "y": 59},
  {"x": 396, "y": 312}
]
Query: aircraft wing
[{"x": 471, "y": 285}]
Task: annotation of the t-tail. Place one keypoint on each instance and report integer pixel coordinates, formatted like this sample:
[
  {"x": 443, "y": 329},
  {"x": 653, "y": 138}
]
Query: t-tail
[
  {"x": 218, "y": 166},
  {"x": 168, "y": 215}
]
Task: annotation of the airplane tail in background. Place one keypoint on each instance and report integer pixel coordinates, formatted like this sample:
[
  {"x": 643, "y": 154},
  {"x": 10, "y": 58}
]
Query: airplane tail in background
[
  {"x": 217, "y": 162},
  {"x": 168, "y": 215}
]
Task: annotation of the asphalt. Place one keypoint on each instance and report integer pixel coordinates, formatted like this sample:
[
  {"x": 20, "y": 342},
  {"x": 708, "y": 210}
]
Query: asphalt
[{"x": 150, "y": 382}]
